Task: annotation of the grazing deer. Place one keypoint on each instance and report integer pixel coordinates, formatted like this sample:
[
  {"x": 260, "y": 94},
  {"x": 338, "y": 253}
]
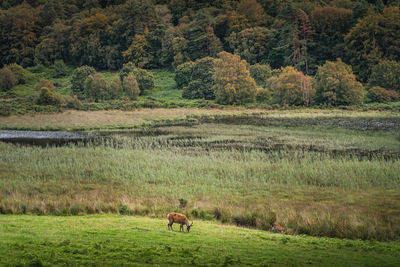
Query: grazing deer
[
  {"x": 277, "y": 227},
  {"x": 174, "y": 217}
]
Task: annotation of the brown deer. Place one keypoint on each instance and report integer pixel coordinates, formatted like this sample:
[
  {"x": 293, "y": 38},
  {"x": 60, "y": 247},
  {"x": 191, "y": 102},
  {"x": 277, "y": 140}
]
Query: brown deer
[
  {"x": 174, "y": 217},
  {"x": 277, "y": 227}
]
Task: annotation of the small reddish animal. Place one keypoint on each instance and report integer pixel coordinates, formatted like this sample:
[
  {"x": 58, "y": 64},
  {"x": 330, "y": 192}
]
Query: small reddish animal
[
  {"x": 174, "y": 217},
  {"x": 277, "y": 227}
]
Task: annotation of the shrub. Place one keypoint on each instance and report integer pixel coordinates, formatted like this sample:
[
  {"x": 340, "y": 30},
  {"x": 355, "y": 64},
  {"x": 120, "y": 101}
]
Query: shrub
[
  {"x": 44, "y": 83},
  {"x": 116, "y": 89},
  {"x": 7, "y": 79},
  {"x": 73, "y": 102},
  {"x": 291, "y": 87},
  {"x": 49, "y": 96},
  {"x": 19, "y": 72},
  {"x": 336, "y": 85},
  {"x": 183, "y": 74},
  {"x": 96, "y": 87},
  {"x": 386, "y": 74},
  {"x": 263, "y": 95},
  {"x": 201, "y": 80},
  {"x": 131, "y": 86},
  {"x": 78, "y": 78},
  {"x": 143, "y": 77},
  {"x": 232, "y": 81},
  {"x": 60, "y": 69},
  {"x": 260, "y": 73},
  {"x": 381, "y": 95}
]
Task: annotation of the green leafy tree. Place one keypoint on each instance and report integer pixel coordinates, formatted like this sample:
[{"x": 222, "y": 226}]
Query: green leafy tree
[
  {"x": 201, "y": 39},
  {"x": 201, "y": 80},
  {"x": 330, "y": 25},
  {"x": 78, "y": 78},
  {"x": 180, "y": 47},
  {"x": 372, "y": 39},
  {"x": 138, "y": 51},
  {"x": 232, "y": 81},
  {"x": 183, "y": 74},
  {"x": 291, "y": 88},
  {"x": 260, "y": 73},
  {"x": 96, "y": 87},
  {"x": 60, "y": 69},
  {"x": 337, "y": 85},
  {"x": 131, "y": 86},
  {"x": 144, "y": 78},
  {"x": 386, "y": 74},
  {"x": 252, "y": 44}
]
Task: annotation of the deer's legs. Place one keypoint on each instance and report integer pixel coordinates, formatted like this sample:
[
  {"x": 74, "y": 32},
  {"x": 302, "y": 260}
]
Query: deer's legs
[{"x": 170, "y": 225}]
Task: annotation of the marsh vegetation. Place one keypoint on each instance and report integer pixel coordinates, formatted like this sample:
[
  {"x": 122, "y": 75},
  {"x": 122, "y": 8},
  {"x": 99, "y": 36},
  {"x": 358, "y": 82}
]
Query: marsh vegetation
[{"x": 336, "y": 177}]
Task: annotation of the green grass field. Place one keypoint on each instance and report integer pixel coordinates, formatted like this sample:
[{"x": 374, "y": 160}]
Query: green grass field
[{"x": 109, "y": 240}]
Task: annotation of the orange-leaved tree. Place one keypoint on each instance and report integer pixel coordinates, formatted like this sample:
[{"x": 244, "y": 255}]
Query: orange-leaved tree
[{"x": 232, "y": 81}]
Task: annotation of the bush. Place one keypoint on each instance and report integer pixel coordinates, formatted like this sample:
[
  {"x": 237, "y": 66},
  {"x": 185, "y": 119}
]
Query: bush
[
  {"x": 44, "y": 83},
  {"x": 49, "y": 96},
  {"x": 336, "y": 85},
  {"x": 116, "y": 89},
  {"x": 96, "y": 87},
  {"x": 381, "y": 95},
  {"x": 232, "y": 81},
  {"x": 60, "y": 69},
  {"x": 78, "y": 78},
  {"x": 201, "y": 80},
  {"x": 131, "y": 86},
  {"x": 19, "y": 72},
  {"x": 7, "y": 79},
  {"x": 183, "y": 74},
  {"x": 291, "y": 87},
  {"x": 260, "y": 73},
  {"x": 386, "y": 74},
  {"x": 143, "y": 77}
]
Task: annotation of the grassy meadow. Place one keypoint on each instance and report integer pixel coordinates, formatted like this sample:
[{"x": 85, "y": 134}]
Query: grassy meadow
[{"x": 110, "y": 240}]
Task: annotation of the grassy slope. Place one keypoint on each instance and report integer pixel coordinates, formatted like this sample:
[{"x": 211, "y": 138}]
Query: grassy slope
[{"x": 125, "y": 240}]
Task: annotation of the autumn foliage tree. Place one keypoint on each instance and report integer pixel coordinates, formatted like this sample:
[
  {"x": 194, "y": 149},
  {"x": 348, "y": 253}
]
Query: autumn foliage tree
[
  {"x": 337, "y": 85},
  {"x": 291, "y": 88},
  {"x": 232, "y": 81}
]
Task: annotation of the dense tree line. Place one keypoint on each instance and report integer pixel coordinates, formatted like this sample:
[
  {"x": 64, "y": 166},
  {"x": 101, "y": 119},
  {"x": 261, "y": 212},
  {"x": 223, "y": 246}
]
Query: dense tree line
[{"x": 137, "y": 34}]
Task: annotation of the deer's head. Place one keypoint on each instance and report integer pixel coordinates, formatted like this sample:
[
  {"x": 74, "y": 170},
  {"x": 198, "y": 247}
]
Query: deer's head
[{"x": 188, "y": 227}]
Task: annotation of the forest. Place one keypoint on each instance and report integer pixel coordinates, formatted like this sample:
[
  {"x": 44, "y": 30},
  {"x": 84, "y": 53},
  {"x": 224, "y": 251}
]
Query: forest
[{"x": 269, "y": 52}]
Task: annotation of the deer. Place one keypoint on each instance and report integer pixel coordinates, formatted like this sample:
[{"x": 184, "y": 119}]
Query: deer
[
  {"x": 174, "y": 217},
  {"x": 277, "y": 227}
]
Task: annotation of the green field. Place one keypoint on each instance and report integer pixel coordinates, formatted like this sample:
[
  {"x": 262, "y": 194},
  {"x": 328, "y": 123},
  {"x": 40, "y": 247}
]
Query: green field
[{"x": 109, "y": 240}]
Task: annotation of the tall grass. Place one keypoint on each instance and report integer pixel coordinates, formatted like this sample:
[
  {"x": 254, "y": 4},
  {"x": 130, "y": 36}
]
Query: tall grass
[{"x": 312, "y": 193}]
